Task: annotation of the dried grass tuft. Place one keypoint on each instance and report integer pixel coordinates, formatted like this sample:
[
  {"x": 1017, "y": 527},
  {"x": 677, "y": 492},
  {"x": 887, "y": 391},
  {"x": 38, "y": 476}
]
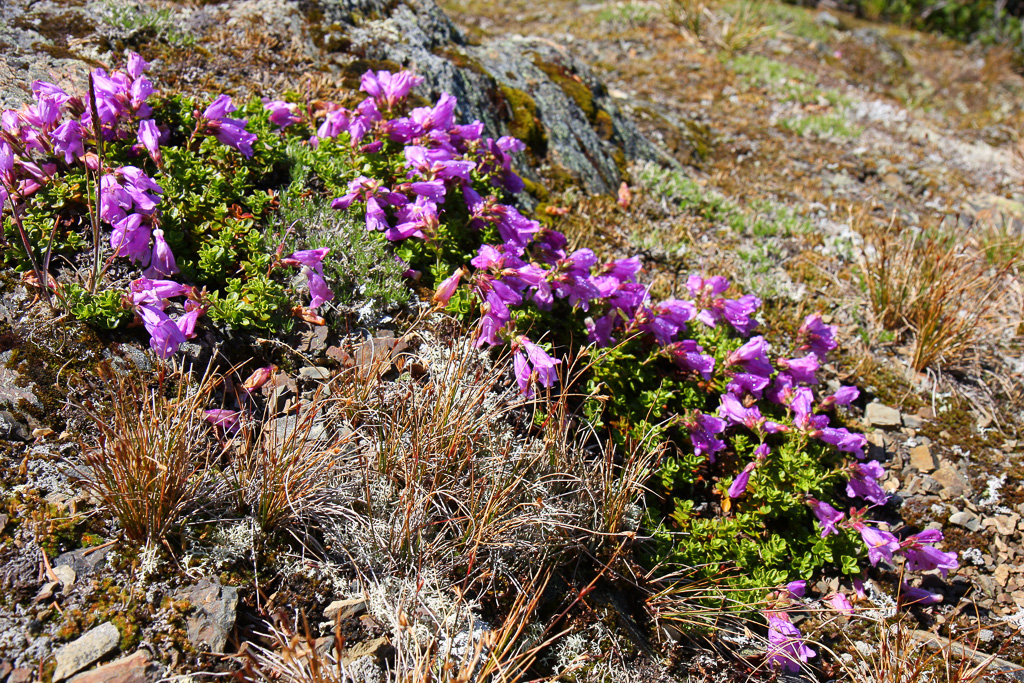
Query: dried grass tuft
[
  {"x": 149, "y": 464},
  {"x": 940, "y": 288}
]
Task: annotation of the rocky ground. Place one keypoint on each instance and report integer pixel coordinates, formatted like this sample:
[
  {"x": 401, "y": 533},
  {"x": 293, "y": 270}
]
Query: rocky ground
[{"x": 791, "y": 142}]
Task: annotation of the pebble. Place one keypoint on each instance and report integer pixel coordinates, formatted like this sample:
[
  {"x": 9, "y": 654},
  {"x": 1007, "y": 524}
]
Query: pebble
[
  {"x": 133, "y": 669},
  {"x": 80, "y": 653},
  {"x": 912, "y": 421},
  {"x": 953, "y": 483},
  {"x": 966, "y": 519},
  {"x": 921, "y": 459},
  {"x": 879, "y": 415}
]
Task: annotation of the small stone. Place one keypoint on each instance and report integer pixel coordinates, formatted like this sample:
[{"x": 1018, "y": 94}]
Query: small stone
[
  {"x": 966, "y": 519},
  {"x": 46, "y": 592},
  {"x": 12, "y": 429},
  {"x": 953, "y": 483},
  {"x": 83, "y": 561},
  {"x": 826, "y": 19},
  {"x": 66, "y": 575},
  {"x": 1002, "y": 574},
  {"x": 314, "y": 372},
  {"x": 5, "y": 668},
  {"x": 912, "y": 421},
  {"x": 879, "y": 415},
  {"x": 1006, "y": 525},
  {"x": 921, "y": 459},
  {"x": 21, "y": 675},
  {"x": 347, "y": 608},
  {"x": 134, "y": 669},
  {"x": 214, "y": 617},
  {"x": 80, "y": 653}
]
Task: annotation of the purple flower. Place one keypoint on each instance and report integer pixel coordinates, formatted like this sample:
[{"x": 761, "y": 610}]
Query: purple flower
[
  {"x": 376, "y": 219},
  {"x": 739, "y": 313},
  {"x": 739, "y": 485},
  {"x": 921, "y": 556},
  {"x": 336, "y": 122},
  {"x": 130, "y": 238},
  {"x": 447, "y": 288},
  {"x": 387, "y": 88},
  {"x": 797, "y": 589},
  {"x": 282, "y": 114},
  {"x": 827, "y": 515},
  {"x": 909, "y": 595},
  {"x": 786, "y": 645},
  {"x": 219, "y": 108},
  {"x": 816, "y": 337},
  {"x": 311, "y": 261},
  {"x": 149, "y": 137},
  {"x": 840, "y": 603},
  {"x": 752, "y": 356},
  {"x": 136, "y": 65},
  {"x": 534, "y": 363},
  {"x": 162, "y": 263},
  {"x": 863, "y": 482},
  {"x": 232, "y": 132},
  {"x": 187, "y": 322},
  {"x": 881, "y": 544},
  {"x": 703, "y": 435},
  {"x": 226, "y": 419},
  {"x": 743, "y": 383},
  {"x": 164, "y": 335},
  {"x": 414, "y": 220},
  {"x": 844, "y": 440},
  {"x": 844, "y": 396},
  {"x": 67, "y": 139},
  {"x": 146, "y": 292},
  {"x": 689, "y": 355},
  {"x": 801, "y": 369},
  {"x": 731, "y": 409}
]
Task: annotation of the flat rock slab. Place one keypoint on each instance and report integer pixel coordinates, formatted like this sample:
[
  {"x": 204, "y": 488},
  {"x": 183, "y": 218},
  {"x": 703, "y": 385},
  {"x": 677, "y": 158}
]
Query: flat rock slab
[
  {"x": 214, "y": 618},
  {"x": 80, "y": 653},
  {"x": 879, "y": 415},
  {"x": 134, "y": 669}
]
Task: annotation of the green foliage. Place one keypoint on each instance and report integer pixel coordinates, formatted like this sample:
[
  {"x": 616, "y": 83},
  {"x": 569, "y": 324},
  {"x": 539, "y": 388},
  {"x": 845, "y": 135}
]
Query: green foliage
[
  {"x": 821, "y": 125},
  {"x": 361, "y": 271},
  {"x": 985, "y": 20},
  {"x": 769, "y": 534}
]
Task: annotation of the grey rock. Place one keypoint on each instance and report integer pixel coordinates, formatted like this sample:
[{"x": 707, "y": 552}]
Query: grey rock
[
  {"x": 13, "y": 429},
  {"x": 953, "y": 483},
  {"x": 966, "y": 519},
  {"x": 346, "y": 608},
  {"x": 214, "y": 616},
  {"x": 80, "y": 653},
  {"x": 84, "y": 561},
  {"x": 579, "y": 128},
  {"x": 11, "y": 393},
  {"x": 826, "y": 19},
  {"x": 912, "y": 421},
  {"x": 879, "y": 415},
  {"x": 314, "y": 372}
]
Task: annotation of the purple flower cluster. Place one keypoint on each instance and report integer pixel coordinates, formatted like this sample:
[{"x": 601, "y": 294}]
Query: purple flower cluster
[{"x": 60, "y": 127}]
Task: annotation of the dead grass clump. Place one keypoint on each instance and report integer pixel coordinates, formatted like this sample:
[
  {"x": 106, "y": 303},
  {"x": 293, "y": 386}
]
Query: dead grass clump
[
  {"x": 450, "y": 473},
  {"x": 938, "y": 287},
  {"x": 898, "y": 653},
  {"x": 149, "y": 463},
  {"x": 281, "y": 470}
]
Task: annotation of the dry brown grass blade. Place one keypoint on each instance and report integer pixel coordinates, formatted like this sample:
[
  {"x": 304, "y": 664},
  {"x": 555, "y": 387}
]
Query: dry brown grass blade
[
  {"x": 149, "y": 464},
  {"x": 939, "y": 286}
]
